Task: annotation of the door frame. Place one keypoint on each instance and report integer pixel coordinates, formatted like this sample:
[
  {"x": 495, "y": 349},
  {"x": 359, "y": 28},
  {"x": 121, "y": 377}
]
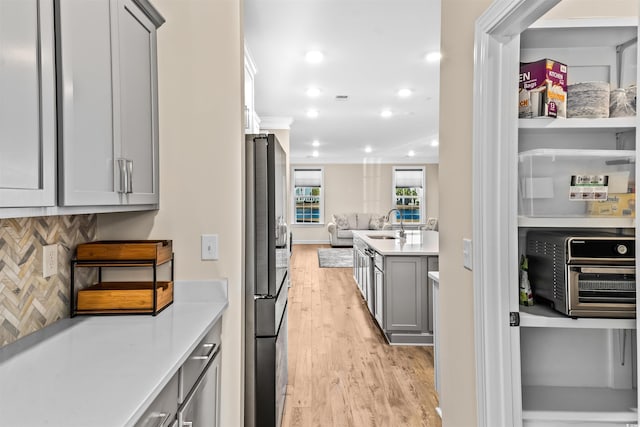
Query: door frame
[{"x": 495, "y": 228}]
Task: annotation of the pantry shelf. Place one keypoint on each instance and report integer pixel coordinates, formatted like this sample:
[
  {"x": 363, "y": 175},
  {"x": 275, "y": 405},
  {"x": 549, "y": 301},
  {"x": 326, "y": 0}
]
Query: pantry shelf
[
  {"x": 579, "y": 404},
  {"x": 542, "y": 316},
  {"x": 619, "y": 124}
]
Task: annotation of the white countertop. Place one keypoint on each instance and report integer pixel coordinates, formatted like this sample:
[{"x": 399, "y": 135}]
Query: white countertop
[
  {"x": 98, "y": 371},
  {"x": 416, "y": 242}
]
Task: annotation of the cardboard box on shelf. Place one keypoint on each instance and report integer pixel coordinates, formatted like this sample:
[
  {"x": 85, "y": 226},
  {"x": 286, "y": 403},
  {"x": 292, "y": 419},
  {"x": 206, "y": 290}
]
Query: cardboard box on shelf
[
  {"x": 543, "y": 89},
  {"x": 617, "y": 204}
]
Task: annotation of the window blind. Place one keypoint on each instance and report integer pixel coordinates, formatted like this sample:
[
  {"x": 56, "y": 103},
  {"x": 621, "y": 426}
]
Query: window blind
[
  {"x": 408, "y": 178},
  {"x": 307, "y": 178}
]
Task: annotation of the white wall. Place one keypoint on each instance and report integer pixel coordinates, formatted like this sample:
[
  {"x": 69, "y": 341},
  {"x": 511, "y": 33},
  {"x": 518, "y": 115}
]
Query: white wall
[
  {"x": 458, "y": 397},
  {"x": 200, "y": 91},
  {"x": 360, "y": 188}
]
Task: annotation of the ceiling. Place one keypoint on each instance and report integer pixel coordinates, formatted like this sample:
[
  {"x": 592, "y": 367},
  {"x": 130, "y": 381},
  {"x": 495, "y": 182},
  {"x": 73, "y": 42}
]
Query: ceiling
[{"x": 372, "y": 48}]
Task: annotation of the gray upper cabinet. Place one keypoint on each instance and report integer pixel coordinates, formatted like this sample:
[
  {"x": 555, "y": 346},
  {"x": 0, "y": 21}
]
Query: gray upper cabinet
[
  {"x": 27, "y": 104},
  {"x": 138, "y": 107},
  {"x": 107, "y": 102}
]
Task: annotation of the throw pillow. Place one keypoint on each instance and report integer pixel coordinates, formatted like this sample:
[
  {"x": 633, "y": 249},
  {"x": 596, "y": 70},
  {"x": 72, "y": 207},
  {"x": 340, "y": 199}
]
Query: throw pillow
[
  {"x": 341, "y": 222},
  {"x": 353, "y": 221},
  {"x": 377, "y": 222}
]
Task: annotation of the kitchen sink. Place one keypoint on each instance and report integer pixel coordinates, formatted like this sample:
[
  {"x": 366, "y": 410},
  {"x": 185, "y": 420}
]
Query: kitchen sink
[{"x": 382, "y": 237}]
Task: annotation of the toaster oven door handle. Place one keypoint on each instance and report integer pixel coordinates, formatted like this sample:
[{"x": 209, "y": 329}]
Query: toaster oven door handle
[{"x": 608, "y": 270}]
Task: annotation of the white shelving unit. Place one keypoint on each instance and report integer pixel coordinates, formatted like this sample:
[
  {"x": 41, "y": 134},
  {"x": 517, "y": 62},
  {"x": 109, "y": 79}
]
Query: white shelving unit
[
  {"x": 547, "y": 370},
  {"x": 563, "y": 398}
]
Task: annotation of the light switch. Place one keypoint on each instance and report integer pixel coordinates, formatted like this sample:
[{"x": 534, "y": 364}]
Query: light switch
[
  {"x": 209, "y": 246},
  {"x": 467, "y": 254}
]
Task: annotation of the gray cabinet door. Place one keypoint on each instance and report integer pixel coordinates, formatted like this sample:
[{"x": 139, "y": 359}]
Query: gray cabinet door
[
  {"x": 406, "y": 293},
  {"x": 107, "y": 71},
  {"x": 378, "y": 307},
  {"x": 136, "y": 102},
  {"x": 86, "y": 137},
  {"x": 27, "y": 104}
]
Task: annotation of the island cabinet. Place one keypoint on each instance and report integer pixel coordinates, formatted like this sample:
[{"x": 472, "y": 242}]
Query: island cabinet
[
  {"x": 27, "y": 110},
  {"x": 392, "y": 276},
  {"x": 407, "y": 295},
  {"x": 108, "y": 106},
  {"x": 407, "y": 310}
]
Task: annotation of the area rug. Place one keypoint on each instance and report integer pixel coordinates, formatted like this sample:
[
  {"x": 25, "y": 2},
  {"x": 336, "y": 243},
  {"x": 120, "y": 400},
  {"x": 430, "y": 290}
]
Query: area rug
[{"x": 335, "y": 257}]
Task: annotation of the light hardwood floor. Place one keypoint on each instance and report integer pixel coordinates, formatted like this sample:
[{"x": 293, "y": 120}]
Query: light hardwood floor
[{"x": 341, "y": 370}]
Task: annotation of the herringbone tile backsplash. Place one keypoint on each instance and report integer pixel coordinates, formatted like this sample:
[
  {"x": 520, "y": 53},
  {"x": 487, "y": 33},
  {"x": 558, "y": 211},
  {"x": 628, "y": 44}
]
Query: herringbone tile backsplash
[{"x": 29, "y": 302}]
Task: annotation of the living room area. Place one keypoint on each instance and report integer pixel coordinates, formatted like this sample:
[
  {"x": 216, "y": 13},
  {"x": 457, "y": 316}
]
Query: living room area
[{"x": 322, "y": 191}]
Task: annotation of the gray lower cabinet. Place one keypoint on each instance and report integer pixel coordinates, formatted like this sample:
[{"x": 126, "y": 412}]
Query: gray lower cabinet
[
  {"x": 378, "y": 306},
  {"x": 164, "y": 408},
  {"x": 107, "y": 102},
  {"x": 407, "y": 293},
  {"x": 396, "y": 290},
  {"x": 407, "y": 301},
  {"x": 192, "y": 396},
  {"x": 202, "y": 407},
  {"x": 27, "y": 104}
]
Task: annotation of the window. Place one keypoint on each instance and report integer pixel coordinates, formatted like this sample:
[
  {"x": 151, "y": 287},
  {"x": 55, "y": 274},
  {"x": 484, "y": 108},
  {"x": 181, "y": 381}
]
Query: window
[
  {"x": 408, "y": 193},
  {"x": 308, "y": 197}
]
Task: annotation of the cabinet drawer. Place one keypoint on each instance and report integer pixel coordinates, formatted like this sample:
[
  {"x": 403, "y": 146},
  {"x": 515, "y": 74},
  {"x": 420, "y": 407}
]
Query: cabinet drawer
[
  {"x": 162, "y": 412},
  {"x": 206, "y": 349}
]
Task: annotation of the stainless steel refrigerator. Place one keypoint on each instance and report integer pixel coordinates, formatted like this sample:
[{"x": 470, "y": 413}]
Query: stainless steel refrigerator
[{"x": 266, "y": 280}]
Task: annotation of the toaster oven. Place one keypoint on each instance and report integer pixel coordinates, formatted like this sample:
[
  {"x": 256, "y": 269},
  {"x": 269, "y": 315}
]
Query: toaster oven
[{"x": 583, "y": 274}]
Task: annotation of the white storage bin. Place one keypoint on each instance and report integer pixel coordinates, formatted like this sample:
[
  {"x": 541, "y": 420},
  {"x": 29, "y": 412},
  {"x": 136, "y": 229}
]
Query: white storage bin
[{"x": 565, "y": 182}]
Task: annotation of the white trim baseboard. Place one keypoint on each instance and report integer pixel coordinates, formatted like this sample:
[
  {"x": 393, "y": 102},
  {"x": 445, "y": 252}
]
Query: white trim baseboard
[{"x": 311, "y": 242}]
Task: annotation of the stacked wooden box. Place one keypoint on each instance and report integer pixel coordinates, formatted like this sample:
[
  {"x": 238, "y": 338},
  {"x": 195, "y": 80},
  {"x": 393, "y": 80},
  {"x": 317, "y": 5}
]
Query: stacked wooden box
[{"x": 127, "y": 297}]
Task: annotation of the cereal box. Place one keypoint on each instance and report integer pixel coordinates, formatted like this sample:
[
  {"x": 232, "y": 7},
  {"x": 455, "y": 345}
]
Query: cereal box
[
  {"x": 616, "y": 204},
  {"x": 543, "y": 89}
]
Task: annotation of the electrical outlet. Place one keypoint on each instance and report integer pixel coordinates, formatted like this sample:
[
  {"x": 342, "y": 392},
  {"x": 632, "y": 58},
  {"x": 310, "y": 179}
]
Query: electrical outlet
[
  {"x": 49, "y": 260},
  {"x": 209, "y": 250}
]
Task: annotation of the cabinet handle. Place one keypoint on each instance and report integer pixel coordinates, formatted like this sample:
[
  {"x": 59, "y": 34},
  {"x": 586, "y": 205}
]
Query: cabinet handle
[
  {"x": 122, "y": 167},
  {"x": 209, "y": 355},
  {"x": 129, "y": 176},
  {"x": 187, "y": 424}
]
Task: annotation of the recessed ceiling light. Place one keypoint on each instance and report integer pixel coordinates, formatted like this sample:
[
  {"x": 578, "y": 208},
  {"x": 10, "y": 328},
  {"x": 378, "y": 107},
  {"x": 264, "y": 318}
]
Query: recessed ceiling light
[
  {"x": 405, "y": 93},
  {"x": 315, "y": 143},
  {"x": 368, "y": 149},
  {"x": 313, "y": 92},
  {"x": 312, "y": 114},
  {"x": 435, "y": 143},
  {"x": 314, "y": 56},
  {"x": 315, "y": 153},
  {"x": 433, "y": 57},
  {"x": 411, "y": 153},
  {"x": 386, "y": 114}
]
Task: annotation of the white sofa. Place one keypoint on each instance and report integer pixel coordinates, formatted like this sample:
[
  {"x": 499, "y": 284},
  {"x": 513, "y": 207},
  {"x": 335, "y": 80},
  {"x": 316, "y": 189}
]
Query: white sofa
[{"x": 341, "y": 225}]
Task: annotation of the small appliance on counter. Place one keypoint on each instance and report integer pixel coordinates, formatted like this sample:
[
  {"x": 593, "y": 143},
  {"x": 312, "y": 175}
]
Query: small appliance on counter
[
  {"x": 131, "y": 297},
  {"x": 583, "y": 274}
]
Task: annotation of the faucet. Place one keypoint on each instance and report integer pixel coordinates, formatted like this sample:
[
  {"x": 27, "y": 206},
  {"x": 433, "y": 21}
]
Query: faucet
[{"x": 402, "y": 232}]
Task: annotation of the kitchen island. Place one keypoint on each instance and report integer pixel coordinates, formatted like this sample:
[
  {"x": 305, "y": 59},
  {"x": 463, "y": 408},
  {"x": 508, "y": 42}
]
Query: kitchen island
[
  {"x": 392, "y": 275},
  {"x": 107, "y": 370}
]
